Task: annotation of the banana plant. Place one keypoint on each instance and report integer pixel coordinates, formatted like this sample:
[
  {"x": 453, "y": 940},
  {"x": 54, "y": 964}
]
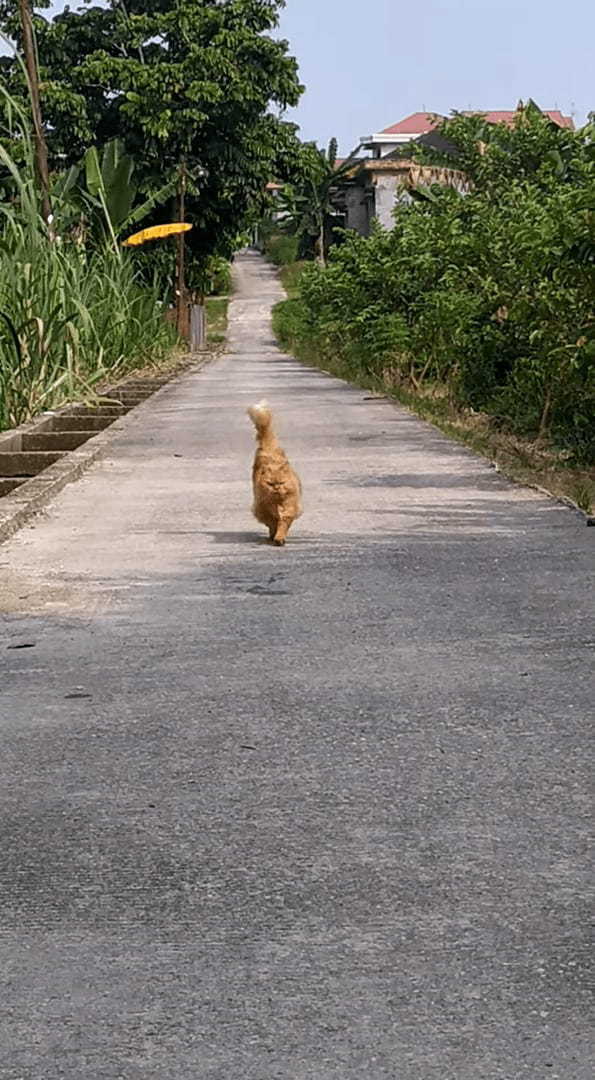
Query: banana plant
[
  {"x": 109, "y": 181},
  {"x": 102, "y": 189},
  {"x": 308, "y": 208}
]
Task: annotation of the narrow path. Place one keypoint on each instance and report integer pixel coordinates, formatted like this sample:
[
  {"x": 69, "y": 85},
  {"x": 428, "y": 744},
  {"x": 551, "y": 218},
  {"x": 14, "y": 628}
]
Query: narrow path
[{"x": 318, "y": 812}]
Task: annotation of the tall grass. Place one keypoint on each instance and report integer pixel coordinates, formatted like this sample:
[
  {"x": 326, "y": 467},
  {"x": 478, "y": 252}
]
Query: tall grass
[{"x": 71, "y": 314}]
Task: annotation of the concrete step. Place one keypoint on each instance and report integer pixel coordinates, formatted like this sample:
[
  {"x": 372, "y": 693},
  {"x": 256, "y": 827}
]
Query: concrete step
[
  {"x": 149, "y": 385},
  {"x": 113, "y": 411},
  {"x": 88, "y": 424},
  {"x": 130, "y": 399},
  {"x": 27, "y": 464},
  {"x": 56, "y": 440},
  {"x": 8, "y": 484}
]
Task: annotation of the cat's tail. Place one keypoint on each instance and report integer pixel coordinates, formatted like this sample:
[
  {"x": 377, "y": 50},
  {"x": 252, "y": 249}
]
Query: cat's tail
[{"x": 262, "y": 418}]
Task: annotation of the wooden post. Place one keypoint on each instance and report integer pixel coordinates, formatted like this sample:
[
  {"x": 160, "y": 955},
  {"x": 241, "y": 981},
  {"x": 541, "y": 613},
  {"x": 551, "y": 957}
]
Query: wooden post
[
  {"x": 198, "y": 330},
  {"x": 182, "y": 320},
  {"x": 41, "y": 153}
]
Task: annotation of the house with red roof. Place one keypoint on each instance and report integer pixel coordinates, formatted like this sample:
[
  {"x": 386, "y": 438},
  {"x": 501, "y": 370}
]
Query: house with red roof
[
  {"x": 421, "y": 123},
  {"x": 386, "y": 175}
]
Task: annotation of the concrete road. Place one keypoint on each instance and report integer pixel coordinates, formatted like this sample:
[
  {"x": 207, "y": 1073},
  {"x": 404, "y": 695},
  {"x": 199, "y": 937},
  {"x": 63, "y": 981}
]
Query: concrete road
[{"x": 318, "y": 812}]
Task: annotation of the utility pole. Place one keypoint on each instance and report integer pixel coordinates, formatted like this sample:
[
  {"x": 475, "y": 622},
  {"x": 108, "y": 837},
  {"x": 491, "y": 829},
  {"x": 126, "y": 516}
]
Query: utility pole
[
  {"x": 41, "y": 153},
  {"x": 182, "y": 309}
]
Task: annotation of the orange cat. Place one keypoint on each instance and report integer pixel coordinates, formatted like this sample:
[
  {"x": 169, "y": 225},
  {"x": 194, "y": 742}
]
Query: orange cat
[{"x": 277, "y": 488}]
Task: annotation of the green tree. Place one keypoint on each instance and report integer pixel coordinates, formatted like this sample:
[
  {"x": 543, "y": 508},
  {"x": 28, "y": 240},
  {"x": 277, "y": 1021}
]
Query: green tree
[{"x": 190, "y": 81}]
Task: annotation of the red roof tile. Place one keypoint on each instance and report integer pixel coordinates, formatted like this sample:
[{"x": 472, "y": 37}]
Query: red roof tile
[
  {"x": 507, "y": 116},
  {"x": 419, "y": 123},
  {"x": 560, "y": 119},
  {"x": 416, "y": 124}
]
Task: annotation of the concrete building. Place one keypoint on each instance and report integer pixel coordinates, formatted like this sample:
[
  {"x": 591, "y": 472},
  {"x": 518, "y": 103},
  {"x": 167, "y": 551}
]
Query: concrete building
[{"x": 376, "y": 186}]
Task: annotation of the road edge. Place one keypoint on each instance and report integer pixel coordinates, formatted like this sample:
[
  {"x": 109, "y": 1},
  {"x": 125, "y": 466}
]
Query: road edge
[{"x": 33, "y": 496}]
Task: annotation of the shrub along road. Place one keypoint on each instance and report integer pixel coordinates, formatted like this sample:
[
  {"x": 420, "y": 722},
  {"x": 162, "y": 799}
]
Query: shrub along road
[{"x": 311, "y": 812}]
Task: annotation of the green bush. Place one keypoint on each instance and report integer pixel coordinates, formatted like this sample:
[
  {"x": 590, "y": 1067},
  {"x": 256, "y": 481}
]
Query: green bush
[
  {"x": 281, "y": 250},
  {"x": 290, "y": 323},
  {"x": 489, "y": 294},
  {"x": 220, "y": 273},
  {"x": 210, "y": 277}
]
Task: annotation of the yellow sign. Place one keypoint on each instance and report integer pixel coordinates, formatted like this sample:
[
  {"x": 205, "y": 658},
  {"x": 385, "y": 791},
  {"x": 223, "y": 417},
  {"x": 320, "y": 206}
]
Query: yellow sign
[{"x": 156, "y": 232}]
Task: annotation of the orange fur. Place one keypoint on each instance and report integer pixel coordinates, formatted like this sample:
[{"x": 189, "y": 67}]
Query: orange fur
[{"x": 277, "y": 488}]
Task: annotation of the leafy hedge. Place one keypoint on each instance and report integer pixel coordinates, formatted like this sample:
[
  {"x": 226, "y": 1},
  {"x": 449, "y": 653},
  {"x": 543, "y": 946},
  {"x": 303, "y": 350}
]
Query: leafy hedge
[{"x": 490, "y": 294}]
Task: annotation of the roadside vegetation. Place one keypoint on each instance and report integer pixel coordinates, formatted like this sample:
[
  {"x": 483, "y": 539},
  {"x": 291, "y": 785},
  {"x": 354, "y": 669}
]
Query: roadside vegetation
[
  {"x": 476, "y": 311},
  {"x": 147, "y": 118},
  {"x": 72, "y": 311}
]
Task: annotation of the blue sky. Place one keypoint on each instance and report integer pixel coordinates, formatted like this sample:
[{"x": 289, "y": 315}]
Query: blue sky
[{"x": 367, "y": 65}]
